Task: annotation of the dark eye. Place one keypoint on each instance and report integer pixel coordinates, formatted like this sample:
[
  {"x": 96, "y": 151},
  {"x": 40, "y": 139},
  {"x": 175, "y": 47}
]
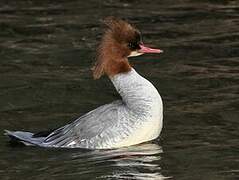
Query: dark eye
[{"x": 133, "y": 46}]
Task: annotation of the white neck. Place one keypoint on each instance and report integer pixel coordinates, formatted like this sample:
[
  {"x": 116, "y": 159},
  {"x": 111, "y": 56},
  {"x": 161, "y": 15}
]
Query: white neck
[
  {"x": 142, "y": 107},
  {"x": 136, "y": 91}
]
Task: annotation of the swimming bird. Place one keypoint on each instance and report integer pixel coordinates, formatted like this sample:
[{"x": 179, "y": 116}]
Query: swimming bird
[{"x": 136, "y": 118}]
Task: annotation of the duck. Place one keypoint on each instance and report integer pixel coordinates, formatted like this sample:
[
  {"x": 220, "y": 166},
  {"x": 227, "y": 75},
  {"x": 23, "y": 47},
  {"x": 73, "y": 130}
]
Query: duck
[{"x": 134, "y": 119}]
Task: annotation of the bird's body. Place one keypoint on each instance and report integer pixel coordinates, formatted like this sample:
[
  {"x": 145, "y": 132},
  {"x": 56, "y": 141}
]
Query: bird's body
[{"x": 134, "y": 119}]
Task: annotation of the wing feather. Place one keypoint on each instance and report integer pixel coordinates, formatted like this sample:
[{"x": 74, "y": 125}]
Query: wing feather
[{"x": 94, "y": 129}]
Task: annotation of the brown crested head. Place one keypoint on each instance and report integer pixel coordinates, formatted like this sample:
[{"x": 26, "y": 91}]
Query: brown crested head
[
  {"x": 120, "y": 41},
  {"x": 117, "y": 43}
]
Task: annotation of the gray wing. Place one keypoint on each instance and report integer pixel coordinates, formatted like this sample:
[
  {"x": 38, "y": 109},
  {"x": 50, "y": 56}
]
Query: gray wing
[{"x": 97, "y": 129}]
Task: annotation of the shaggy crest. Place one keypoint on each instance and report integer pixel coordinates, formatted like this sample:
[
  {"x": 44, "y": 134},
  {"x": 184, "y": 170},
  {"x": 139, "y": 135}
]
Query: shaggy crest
[{"x": 113, "y": 50}]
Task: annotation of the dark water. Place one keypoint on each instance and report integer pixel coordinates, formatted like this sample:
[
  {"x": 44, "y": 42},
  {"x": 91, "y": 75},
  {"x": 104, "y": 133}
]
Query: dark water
[{"x": 47, "y": 49}]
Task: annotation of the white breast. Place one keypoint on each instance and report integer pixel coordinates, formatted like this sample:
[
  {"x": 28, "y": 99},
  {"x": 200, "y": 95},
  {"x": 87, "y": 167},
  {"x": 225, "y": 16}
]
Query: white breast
[{"x": 143, "y": 99}]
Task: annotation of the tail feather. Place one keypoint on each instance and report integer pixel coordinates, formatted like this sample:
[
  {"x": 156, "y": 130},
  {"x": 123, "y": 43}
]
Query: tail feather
[{"x": 26, "y": 138}]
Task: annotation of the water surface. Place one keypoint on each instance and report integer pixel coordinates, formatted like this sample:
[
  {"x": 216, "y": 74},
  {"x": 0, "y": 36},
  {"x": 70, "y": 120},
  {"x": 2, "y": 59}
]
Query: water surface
[{"x": 47, "y": 49}]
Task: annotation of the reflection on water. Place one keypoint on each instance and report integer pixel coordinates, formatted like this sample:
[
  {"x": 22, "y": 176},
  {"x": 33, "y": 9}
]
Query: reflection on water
[
  {"x": 47, "y": 49},
  {"x": 135, "y": 162}
]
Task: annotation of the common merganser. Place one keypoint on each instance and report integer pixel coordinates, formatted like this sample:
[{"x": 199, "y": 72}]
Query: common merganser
[{"x": 135, "y": 119}]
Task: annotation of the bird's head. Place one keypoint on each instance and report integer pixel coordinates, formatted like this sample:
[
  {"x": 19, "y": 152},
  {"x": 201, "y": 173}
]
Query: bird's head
[{"x": 120, "y": 41}]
